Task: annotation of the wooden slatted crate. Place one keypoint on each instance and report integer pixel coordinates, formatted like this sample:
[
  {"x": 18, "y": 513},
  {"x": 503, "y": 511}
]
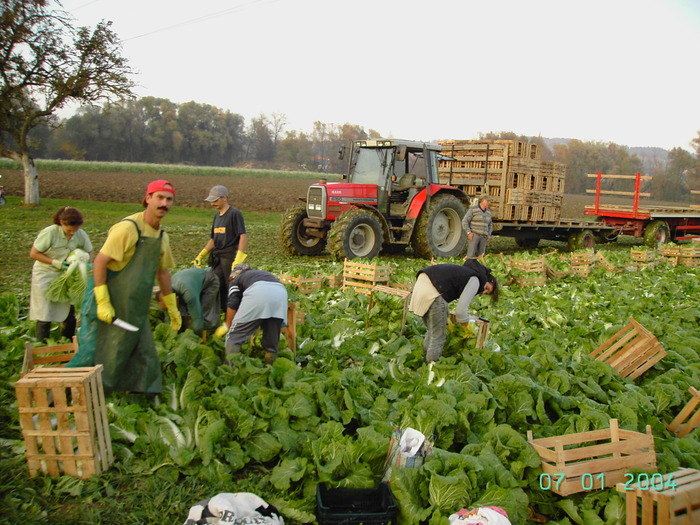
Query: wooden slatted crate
[
  {"x": 669, "y": 499},
  {"x": 688, "y": 419},
  {"x": 631, "y": 351},
  {"x": 529, "y": 272},
  {"x": 363, "y": 277},
  {"x": 305, "y": 285},
  {"x": 595, "y": 459},
  {"x": 55, "y": 355},
  {"x": 64, "y": 421},
  {"x": 605, "y": 263}
]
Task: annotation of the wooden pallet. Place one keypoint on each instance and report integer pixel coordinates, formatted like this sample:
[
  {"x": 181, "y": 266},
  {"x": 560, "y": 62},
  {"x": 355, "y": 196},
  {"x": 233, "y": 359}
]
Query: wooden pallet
[
  {"x": 631, "y": 351},
  {"x": 593, "y": 460},
  {"x": 64, "y": 421},
  {"x": 670, "y": 499},
  {"x": 688, "y": 419}
]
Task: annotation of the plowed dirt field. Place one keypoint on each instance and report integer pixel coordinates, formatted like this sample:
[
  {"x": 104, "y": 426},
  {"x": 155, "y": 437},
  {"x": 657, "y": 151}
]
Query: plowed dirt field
[{"x": 265, "y": 194}]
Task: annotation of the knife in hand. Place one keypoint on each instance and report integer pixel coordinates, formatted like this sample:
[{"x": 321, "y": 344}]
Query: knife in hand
[{"x": 124, "y": 325}]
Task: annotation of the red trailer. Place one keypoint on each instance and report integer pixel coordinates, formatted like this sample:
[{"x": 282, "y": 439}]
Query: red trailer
[{"x": 657, "y": 224}]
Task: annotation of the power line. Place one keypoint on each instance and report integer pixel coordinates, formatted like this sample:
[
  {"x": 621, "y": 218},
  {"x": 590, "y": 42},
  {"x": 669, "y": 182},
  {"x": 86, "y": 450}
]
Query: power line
[{"x": 240, "y": 7}]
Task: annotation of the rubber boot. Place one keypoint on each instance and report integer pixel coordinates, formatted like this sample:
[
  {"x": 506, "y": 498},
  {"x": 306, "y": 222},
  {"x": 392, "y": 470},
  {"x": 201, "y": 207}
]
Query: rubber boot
[
  {"x": 68, "y": 326},
  {"x": 43, "y": 330},
  {"x": 270, "y": 357}
]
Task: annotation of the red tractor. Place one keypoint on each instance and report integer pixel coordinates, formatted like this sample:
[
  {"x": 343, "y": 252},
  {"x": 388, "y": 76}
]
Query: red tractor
[{"x": 389, "y": 199}]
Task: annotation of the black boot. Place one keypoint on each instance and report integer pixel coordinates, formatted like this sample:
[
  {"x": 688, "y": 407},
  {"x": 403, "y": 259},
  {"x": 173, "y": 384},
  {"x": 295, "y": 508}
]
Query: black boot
[
  {"x": 43, "y": 329},
  {"x": 68, "y": 326}
]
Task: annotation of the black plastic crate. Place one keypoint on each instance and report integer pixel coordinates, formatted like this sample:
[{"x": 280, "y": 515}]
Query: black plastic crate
[{"x": 355, "y": 506}]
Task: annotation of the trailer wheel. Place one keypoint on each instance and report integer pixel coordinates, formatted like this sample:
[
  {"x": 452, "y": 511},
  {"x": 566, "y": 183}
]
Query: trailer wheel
[
  {"x": 293, "y": 234},
  {"x": 581, "y": 240},
  {"x": 656, "y": 233},
  {"x": 527, "y": 243},
  {"x": 356, "y": 233},
  {"x": 439, "y": 231}
]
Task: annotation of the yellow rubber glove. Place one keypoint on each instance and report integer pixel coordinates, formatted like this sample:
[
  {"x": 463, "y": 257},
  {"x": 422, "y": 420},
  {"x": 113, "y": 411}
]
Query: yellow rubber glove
[
  {"x": 105, "y": 310},
  {"x": 221, "y": 331},
  {"x": 170, "y": 301},
  {"x": 240, "y": 257},
  {"x": 199, "y": 260}
]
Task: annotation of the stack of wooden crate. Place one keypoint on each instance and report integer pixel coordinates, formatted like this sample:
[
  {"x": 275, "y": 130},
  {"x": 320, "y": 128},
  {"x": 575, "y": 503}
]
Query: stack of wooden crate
[{"x": 521, "y": 186}]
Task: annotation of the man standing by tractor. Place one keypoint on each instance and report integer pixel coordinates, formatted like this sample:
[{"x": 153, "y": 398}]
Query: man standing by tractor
[
  {"x": 478, "y": 225},
  {"x": 228, "y": 240},
  {"x": 115, "y": 329}
]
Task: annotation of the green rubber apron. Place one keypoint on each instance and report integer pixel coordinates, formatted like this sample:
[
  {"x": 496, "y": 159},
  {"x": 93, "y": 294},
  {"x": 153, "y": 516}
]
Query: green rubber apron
[{"x": 130, "y": 359}]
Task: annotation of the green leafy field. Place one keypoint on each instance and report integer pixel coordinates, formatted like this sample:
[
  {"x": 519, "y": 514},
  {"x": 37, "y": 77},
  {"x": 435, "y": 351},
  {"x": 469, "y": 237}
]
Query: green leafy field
[{"x": 327, "y": 414}]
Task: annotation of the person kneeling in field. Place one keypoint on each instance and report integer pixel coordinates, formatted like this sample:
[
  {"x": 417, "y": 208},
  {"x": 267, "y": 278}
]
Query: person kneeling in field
[
  {"x": 440, "y": 284},
  {"x": 256, "y": 299}
]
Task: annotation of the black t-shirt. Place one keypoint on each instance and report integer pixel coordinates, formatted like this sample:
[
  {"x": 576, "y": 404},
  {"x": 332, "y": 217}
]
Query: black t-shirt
[{"x": 226, "y": 229}]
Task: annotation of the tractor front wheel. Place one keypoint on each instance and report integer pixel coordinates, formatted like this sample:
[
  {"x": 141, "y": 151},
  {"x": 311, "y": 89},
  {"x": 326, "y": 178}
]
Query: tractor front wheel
[
  {"x": 293, "y": 234},
  {"x": 439, "y": 231},
  {"x": 356, "y": 233}
]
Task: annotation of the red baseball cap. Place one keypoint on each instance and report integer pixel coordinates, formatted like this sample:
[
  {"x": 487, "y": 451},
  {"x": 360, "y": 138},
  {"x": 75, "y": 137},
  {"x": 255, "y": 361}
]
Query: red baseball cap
[{"x": 160, "y": 185}]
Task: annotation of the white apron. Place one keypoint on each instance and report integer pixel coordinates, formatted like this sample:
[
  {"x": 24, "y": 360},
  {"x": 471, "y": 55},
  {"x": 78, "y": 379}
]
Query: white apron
[{"x": 40, "y": 308}]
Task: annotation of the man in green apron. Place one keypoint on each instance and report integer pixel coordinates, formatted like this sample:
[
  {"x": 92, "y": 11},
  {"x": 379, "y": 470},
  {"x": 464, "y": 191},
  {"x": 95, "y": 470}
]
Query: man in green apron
[{"x": 135, "y": 254}]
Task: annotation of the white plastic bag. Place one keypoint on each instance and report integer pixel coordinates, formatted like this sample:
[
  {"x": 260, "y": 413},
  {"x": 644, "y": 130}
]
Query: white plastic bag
[
  {"x": 480, "y": 516},
  {"x": 240, "y": 508}
]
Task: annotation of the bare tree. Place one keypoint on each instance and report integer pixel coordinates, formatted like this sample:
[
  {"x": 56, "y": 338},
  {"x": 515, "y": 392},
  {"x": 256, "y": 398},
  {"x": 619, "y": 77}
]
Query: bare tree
[{"x": 47, "y": 63}]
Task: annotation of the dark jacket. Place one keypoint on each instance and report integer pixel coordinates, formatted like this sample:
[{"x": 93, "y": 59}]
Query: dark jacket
[{"x": 450, "y": 279}]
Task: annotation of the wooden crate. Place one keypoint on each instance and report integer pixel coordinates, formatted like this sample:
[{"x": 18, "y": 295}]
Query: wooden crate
[
  {"x": 482, "y": 325},
  {"x": 401, "y": 293},
  {"x": 642, "y": 256},
  {"x": 670, "y": 499},
  {"x": 553, "y": 273},
  {"x": 688, "y": 419},
  {"x": 529, "y": 272},
  {"x": 305, "y": 285},
  {"x": 593, "y": 460},
  {"x": 363, "y": 277},
  {"x": 333, "y": 281},
  {"x": 55, "y": 355},
  {"x": 690, "y": 262},
  {"x": 631, "y": 351},
  {"x": 605, "y": 263},
  {"x": 691, "y": 250},
  {"x": 64, "y": 421}
]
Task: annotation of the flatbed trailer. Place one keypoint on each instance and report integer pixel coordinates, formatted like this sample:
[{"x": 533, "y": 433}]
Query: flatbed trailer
[
  {"x": 657, "y": 224},
  {"x": 577, "y": 234}
]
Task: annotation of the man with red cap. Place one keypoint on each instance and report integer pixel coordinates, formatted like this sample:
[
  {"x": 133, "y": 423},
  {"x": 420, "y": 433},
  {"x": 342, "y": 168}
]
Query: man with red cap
[{"x": 136, "y": 251}]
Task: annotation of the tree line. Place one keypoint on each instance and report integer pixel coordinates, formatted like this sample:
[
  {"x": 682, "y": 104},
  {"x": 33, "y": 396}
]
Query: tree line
[{"x": 156, "y": 130}]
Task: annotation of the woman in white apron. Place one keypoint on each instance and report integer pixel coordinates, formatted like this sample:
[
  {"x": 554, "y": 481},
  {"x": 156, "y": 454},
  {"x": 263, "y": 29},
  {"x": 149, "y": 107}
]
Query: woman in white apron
[{"x": 49, "y": 251}]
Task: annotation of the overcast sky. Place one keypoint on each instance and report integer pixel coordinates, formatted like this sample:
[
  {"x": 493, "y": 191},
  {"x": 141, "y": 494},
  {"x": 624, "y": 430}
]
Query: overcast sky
[{"x": 623, "y": 71}]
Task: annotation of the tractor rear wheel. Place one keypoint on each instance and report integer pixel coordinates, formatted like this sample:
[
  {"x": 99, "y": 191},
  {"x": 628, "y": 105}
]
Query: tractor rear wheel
[
  {"x": 439, "y": 231},
  {"x": 356, "y": 233},
  {"x": 293, "y": 234},
  {"x": 656, "y": 233}
]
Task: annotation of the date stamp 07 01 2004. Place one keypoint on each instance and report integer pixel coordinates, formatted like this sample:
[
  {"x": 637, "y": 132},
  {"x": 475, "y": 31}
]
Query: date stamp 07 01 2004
[{"x": 597, "y": 481}]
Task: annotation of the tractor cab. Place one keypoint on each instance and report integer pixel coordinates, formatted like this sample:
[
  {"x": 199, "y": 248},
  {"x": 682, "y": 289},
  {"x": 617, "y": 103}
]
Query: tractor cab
[{"x": 399, "y": 169}]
